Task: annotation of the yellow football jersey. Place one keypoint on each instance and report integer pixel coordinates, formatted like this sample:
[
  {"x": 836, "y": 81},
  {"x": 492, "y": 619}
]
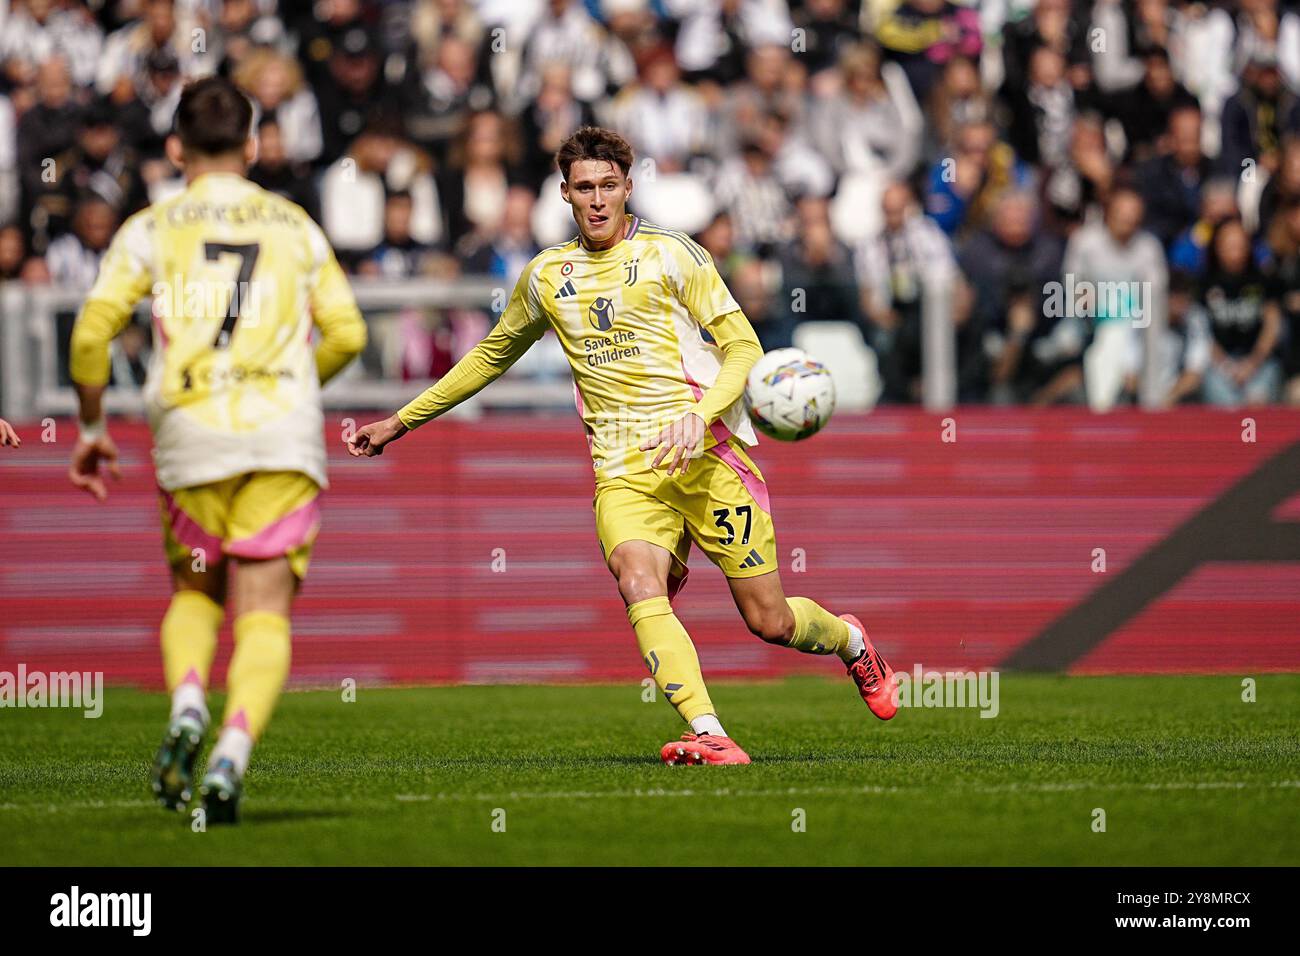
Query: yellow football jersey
[
  {"x": 238, "y": 277},
  {"x": 632, "y": 321}
]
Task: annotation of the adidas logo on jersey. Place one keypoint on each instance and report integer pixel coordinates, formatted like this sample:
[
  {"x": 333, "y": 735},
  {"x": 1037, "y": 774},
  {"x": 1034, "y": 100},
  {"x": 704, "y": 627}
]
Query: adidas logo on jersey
[
  {"x": 753, "y": 560},
  {"x": 566, "y": 290}
]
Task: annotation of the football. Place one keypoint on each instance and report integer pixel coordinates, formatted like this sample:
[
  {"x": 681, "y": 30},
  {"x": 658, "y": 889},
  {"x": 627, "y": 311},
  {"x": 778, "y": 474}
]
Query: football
[{"x": 789, "y": 395}]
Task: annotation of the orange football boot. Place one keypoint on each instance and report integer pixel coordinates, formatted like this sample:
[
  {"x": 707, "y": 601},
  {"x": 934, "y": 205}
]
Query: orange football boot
[
  {"x": 873, "y": 675},
  {"x": 703, "y": 748}
]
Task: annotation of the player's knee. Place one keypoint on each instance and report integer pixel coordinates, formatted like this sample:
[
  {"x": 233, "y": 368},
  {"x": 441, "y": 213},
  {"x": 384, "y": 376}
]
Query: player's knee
[
  {"x": 773, "y": 625},
  {"x": 264, "y": 585},
  {"x": 640, "y": 584}
]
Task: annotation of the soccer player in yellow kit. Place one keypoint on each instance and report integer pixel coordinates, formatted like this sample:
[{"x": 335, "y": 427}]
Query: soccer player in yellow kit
[
  {"x": 239, "y": 277},
  {"x": 631, "y": 304}
]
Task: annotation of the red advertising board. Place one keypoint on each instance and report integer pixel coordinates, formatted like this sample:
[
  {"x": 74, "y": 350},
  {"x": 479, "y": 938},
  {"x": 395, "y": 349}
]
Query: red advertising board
[{"x": 1046, "y": 539}]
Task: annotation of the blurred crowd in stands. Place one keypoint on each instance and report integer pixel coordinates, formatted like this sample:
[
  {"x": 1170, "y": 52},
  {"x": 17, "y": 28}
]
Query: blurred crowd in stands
[{"x": 1052, "y": 170}]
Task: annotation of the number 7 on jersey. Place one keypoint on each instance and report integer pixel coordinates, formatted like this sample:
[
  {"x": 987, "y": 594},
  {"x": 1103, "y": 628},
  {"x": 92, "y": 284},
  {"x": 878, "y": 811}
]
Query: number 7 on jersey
[{"x": 247, "y": 253}]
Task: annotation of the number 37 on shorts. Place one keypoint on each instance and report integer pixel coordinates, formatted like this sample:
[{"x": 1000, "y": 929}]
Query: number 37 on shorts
[{"x": 721, "y": 504}]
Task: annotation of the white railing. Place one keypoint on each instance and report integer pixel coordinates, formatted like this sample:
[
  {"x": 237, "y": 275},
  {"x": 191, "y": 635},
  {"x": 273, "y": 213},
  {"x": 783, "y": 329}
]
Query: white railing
[{"x": 33, "y": 380}]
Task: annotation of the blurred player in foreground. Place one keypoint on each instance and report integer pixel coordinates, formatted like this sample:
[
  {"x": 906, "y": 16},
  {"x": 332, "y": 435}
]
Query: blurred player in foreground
[
  {"x": 631, "y": 304},
  {"x": 239, "y": 276},
  {"x": 8, "y": 436}
]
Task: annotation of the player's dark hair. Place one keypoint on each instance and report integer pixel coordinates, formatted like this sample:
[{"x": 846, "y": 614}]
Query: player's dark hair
[
  {"x": 593, "y": 142},
  {"x": 213, "y": 117}
]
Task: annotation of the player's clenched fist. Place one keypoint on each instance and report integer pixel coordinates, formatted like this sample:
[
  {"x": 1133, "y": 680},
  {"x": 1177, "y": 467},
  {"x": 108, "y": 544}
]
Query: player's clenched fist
[
  {"x": 682, "y": 439},
  {"x": 7, "y": 435},
  {"x": 86, "y": 459},
  {"x": 370, "y": 440}
]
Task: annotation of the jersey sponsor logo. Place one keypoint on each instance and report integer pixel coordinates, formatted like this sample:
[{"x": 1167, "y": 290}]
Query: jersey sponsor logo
[
  {"x": 621, "y": 345},
  {"x": 601, "y": 314},
  {"x": 213, "y": 378},
  {"x": 753, "y": 560},
  {"x": 566, "y": 290}
]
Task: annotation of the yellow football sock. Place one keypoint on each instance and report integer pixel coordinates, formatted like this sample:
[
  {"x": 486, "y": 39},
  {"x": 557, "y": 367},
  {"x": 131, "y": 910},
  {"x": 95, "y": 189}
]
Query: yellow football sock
[
  {"x": 257, "y": 670},
  {"x": 189, "y": 637},
  {"x": 667, "y": 650},
  {"x": 817, "y": 630}
]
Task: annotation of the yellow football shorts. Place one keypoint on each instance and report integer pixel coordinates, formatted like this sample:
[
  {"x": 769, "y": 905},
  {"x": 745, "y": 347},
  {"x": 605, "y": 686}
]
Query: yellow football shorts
[
  {"x": 256, "y": 516},
  {"x": 721, "y": 504}
]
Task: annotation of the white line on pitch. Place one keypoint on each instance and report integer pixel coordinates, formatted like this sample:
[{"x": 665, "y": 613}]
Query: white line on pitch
[
  {"x": 690, "y": 792},
  {"x": 836, "y": 791}
]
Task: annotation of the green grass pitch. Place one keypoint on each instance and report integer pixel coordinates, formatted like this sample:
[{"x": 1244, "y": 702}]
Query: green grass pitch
[{"x": 1186, "y": 772}]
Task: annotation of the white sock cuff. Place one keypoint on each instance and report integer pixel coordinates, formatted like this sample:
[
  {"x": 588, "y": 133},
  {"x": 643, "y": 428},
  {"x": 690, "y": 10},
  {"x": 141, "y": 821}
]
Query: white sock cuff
[
  {"x": 234, "y": 745},
  {"x": 856, "y": 645},
  {"x": 189, "y": 696},
  {"x": 708, "y": 724}
]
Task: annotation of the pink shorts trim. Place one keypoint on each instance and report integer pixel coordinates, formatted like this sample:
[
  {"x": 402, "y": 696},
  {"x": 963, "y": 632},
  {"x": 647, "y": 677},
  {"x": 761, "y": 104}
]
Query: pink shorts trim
[
  {"x": 755, "y": 485},
  {"x": 187, "y": 531},
  {"x": 292, "y": 531}
]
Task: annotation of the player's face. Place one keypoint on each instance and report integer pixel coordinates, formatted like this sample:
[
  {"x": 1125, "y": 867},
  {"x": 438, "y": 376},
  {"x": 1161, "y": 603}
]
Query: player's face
[{"x": 598, "y": 191}]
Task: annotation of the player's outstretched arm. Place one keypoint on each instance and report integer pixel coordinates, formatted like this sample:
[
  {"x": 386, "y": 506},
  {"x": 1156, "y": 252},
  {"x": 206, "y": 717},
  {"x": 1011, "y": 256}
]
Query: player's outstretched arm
[
  {"x": 96, "y": 326},
  {"x": 8, "y": 436},
  {"x": 481, "y": 366},
  {"x": 123, "y": 280},
  {"x": 94, "y": 446},
  {"x": 521, "y": 324},
  {"x": 370, "y": 440}
]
